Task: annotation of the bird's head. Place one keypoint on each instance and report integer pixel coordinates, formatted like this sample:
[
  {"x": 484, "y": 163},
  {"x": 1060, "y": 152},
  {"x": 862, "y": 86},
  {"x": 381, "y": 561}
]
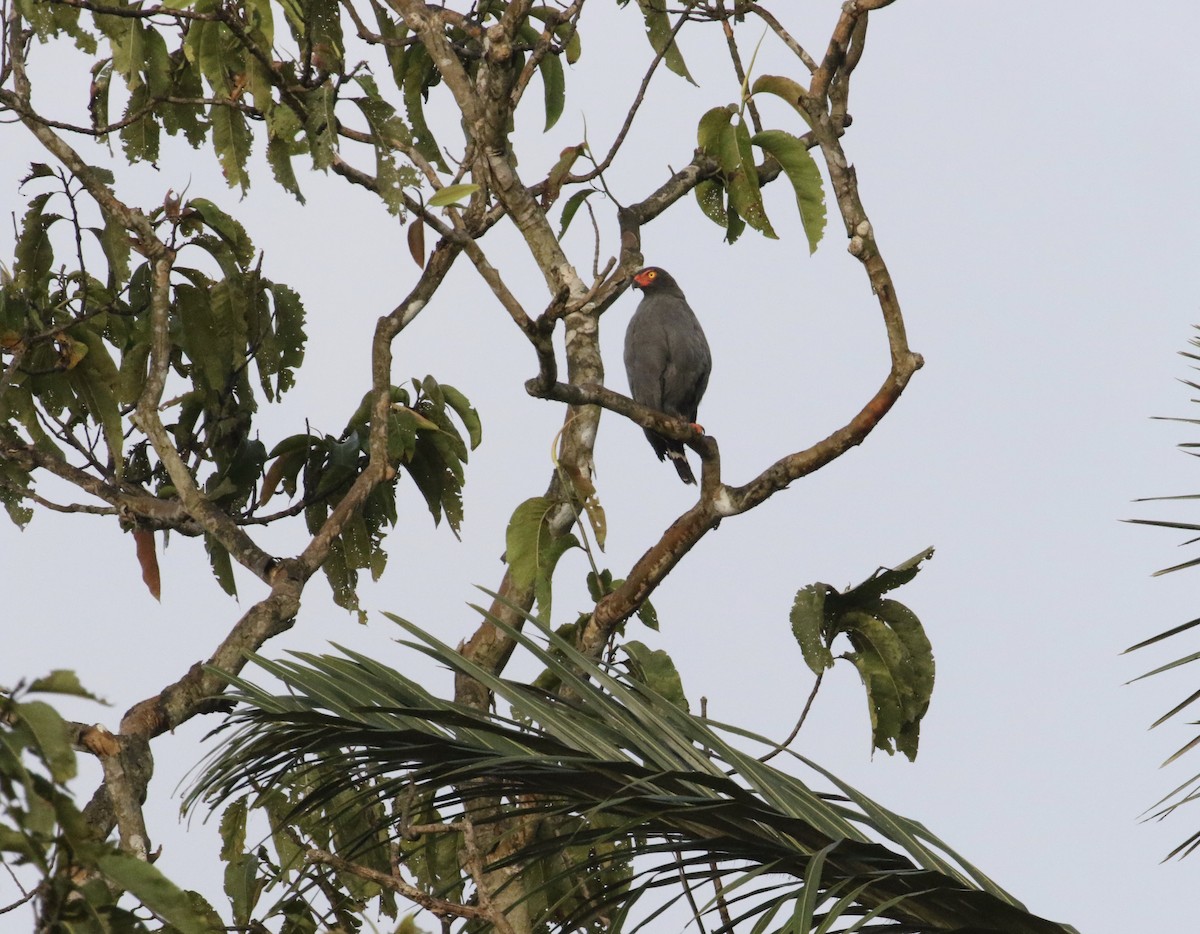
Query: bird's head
[{"x": 652, "y": 278}]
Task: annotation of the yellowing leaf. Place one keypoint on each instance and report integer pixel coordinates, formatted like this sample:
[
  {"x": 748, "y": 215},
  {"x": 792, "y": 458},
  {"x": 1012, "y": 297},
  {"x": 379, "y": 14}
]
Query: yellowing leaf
[{"x": 452, "y": 194}]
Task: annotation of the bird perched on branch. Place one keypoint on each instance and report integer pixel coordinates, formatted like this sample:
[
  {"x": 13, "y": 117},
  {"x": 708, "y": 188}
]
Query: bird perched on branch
[{"x": 667, "y": 359}]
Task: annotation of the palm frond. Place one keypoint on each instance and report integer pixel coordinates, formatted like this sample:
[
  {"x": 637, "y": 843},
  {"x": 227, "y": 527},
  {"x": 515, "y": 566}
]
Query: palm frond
[
  {"x": 615, "y": 764},
  {"x": 1177, "y": 797}
]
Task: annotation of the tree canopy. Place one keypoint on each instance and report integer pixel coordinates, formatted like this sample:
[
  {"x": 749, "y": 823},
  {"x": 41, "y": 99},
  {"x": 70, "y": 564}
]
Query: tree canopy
[{"x": 144, "y": 341}]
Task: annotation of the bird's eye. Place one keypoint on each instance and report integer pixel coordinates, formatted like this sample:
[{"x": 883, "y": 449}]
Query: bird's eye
[{"x": 651, "y": 274}]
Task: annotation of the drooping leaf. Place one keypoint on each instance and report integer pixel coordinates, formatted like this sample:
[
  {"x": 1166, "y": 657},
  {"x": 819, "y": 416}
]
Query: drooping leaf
[
  {"x": 658, "y": 31},
  {"x": 554, "y": 83},
  {"x": 808, "y": 626},
  {"x": 419, "y": 76},
  {"x": 320, "y": 125},
  {"x": 226, "y": 227},
  {"x": 711, "y": 128},
  {"x": 801, "y": 170},
  {"x": 416, "y": 241},
  {"x": 571, "y": 207},
  {"x": 231, "y": 139},
  {"x": 710, "y": 195},
  {"x": 147, "y": 559},
  {"x": 222, "y": 565},
  {"x": 466, "y": 412},
  {"x": 532, "y": 550},
  {"x": 741, "y": 178}
]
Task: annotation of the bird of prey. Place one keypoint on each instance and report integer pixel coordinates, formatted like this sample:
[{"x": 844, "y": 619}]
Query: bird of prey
[{"x": 667, "y": 359}]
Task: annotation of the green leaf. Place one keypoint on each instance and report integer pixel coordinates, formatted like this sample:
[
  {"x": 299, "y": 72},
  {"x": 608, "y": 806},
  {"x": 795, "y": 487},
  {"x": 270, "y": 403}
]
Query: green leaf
[
  {"x": 419, "y": 76},
  {"x": 227, "y": 228},
  {"x": 532, "y": 550},
  {"x": 140, "y": 139},
  {"x": 53, "y": 739},
  {"x": 465, "y": 411},
  {"x": 801, "y": 170},
  {"x": 95, "y": 380},
  {"x": 885, "y": 579},
  {"x": 186, "y": 911},
  {"x": 891, "y": 651},
  {"x": 222, "y": 566},
  {"x": 656, "y": 669},
  {"x": 126, "y": 37},
  {"x": 658, "y": 31},
  {"x": 320, "y": 125},
  {"x": 114, "y": 241},
  {"x": 808, "y": 626},
  {"x": 98, "y": 100},
  {"x": 324, "y": 33},
  {"x": 554, "y": 84},
  {"x": 710, "y": 195},
  {"x": 387, "y": 131},
  {"x": 283, "y": 126},
  {"x": 186, "y": 83},
  {"x": 711, "y": 128},
  {"x": 452, "y": 194},
  {"x": 741, "y": 178},
  {"x": 883, "y": 698},
  {"x": 571, "y": 207},
  {"x": 34, "y": 252},
  {"x": 786, "y": 88},
  {"x": 231, "y": 139},
  {"x": 62, "y": 681}
]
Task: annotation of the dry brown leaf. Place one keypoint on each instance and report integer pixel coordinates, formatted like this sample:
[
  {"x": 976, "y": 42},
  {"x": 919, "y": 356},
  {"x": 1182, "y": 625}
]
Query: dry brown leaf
[{"x": 148, "y": 559}]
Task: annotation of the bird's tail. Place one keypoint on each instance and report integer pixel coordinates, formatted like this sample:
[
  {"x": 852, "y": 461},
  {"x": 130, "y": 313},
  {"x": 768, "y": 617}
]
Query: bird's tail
[{"x": 682, "y": 467}]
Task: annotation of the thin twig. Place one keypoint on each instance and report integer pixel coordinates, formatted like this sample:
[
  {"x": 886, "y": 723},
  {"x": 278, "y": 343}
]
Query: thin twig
[
  {"x": 632, "y": 112},
  {"x": 780, "y": 747},
  {"x": 767, "y": 17},
  {"x": 738, "y": 69}
]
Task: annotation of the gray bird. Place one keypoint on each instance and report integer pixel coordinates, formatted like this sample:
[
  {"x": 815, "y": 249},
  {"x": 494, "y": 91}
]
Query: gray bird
[{"x": 666, "y": 358}]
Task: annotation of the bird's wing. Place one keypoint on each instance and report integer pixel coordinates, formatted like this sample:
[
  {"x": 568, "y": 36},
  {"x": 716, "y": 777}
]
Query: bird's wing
[
  {"x": 689, "y": 362},
  {"x": 646, "y": 348}
]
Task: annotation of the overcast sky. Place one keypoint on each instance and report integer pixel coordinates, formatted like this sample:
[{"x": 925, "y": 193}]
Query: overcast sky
[{"x": 1030, "y": 172}]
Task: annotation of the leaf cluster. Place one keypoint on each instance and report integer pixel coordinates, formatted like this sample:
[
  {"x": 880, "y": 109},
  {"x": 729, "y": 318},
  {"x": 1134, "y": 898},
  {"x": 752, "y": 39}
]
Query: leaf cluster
[
  {"x": 734, "y": 198},
  {"x": 888, "y": 647},
  {"x": 424, "y": 443},
  {"x": 42, "y": 832}
]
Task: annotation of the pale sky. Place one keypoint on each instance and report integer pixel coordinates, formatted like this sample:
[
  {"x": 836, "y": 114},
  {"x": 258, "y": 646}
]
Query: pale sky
[{"x": 1028, "y": 171}]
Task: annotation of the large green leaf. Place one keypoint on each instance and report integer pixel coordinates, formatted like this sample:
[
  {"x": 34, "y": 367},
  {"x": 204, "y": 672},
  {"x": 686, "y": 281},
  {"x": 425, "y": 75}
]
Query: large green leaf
[
  {"x": 231, "y": 139},
  {"x": 805, "y": 177},
  {"x": 533, "y": 550},
  {"x": 658, "y": 31}
]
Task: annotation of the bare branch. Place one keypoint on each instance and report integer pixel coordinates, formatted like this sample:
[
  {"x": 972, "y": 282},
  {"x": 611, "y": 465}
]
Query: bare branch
[{"x": 769, "y": 18}]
